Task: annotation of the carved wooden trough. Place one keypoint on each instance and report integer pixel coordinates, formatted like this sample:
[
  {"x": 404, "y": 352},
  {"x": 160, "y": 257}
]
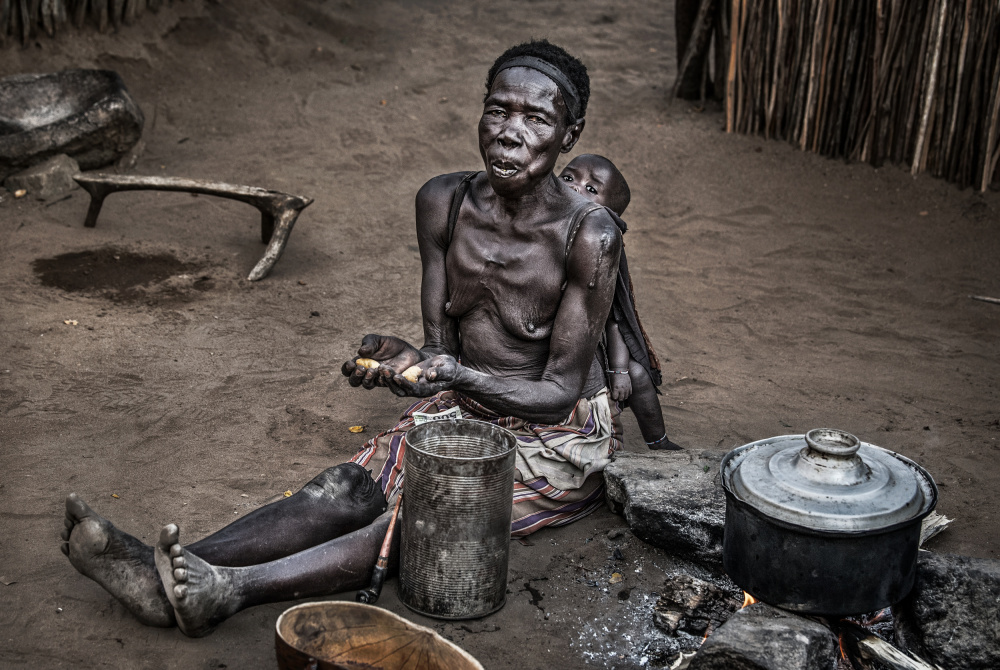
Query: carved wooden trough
[{"x": 278, "y": 211}]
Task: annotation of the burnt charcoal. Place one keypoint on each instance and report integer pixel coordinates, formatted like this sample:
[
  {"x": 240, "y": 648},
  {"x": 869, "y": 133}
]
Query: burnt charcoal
[
  {"x": 86, "y": 114},
  {"x": 672, "y": 500},
  {"x": 47, "y": 180},
  {"x": 693, "y": 605},
  {"x": 761, "y": 637},
  {"x": 951, "y": 616}
]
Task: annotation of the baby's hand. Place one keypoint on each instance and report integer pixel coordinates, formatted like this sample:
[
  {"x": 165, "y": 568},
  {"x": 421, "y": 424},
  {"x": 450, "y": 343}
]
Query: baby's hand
[{"x": 620, "y": 386}]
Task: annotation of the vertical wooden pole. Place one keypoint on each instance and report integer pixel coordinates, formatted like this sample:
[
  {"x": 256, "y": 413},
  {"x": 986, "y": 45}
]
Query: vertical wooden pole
[
  {"x": 734, "y": 29},
  {"x": 992, "y": 152},
  {"x": 814, "y": 57},
  {"x": 930, "y": 83},
  {"x": 959, "y": 78}
]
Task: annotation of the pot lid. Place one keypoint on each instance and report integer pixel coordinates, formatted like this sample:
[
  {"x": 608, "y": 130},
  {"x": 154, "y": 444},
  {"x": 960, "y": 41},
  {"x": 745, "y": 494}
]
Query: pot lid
[{"x": 828, "y": 480}]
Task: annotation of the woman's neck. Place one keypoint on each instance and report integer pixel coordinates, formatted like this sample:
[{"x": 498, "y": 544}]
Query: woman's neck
[{"x": 524, "y": 204}]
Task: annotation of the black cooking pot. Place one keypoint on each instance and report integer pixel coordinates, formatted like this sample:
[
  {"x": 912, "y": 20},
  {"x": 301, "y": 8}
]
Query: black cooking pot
[{"x": 822, "y": 523}]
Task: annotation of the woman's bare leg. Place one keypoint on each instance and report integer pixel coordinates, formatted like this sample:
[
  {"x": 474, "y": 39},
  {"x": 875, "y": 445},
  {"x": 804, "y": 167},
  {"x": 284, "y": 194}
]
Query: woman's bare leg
[
  {"x": 204, "y": 595},
  {"x": 117, "y": 561},
  {"x": 338, "y": 501}
]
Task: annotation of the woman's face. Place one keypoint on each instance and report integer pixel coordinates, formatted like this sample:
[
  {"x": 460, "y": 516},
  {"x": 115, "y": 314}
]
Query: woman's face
[{"x": 523, "y": 130}]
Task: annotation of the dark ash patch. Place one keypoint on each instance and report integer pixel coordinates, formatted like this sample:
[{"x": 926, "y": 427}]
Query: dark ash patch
[{"x": 115, "y": 273}]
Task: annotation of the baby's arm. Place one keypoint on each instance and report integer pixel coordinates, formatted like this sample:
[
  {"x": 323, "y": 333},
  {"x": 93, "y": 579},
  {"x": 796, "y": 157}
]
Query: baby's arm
[{"x": 619, "y": 382}]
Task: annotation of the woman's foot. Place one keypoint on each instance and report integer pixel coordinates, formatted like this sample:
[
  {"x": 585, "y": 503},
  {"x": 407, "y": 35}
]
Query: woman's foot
[
  {"x": 202, "y": 595},
  {"x": 117, "y": 561}
]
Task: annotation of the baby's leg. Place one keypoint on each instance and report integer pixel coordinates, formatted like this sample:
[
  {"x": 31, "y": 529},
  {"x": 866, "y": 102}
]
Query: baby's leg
[{"x": 646, "y": 407}]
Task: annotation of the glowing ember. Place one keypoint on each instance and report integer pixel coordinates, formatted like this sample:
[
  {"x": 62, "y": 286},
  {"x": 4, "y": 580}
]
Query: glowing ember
[
  {"x": 880, "y": 616},
  {"x": 843, "y": 654},
  {"x": 747, "y": 600}
]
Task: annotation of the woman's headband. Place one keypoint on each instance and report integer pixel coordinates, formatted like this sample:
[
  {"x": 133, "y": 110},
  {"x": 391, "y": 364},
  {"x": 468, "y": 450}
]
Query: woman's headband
[{"x": 566, "y": 87}]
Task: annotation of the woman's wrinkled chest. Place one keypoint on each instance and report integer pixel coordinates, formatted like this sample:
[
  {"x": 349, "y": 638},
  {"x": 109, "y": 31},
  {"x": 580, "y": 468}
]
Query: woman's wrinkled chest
[{"x": 518, "y": 281}]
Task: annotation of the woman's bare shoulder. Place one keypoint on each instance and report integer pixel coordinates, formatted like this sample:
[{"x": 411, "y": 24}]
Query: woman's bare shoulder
[
  {"x": 433, "y": 203},
  {"x": 597, "y": 239},
  {"x": 438, "y": 191}
]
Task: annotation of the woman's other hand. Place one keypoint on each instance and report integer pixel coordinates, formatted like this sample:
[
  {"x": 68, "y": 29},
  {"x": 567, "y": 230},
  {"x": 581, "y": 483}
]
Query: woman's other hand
[{"x": 431, "y": 376}]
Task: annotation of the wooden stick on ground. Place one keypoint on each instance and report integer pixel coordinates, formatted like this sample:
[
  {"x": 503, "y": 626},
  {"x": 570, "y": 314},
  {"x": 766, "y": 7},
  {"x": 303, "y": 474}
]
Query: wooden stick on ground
[
  {"x": 983, "y": 298},
  {"x": 371, "y": 594},
  {"x": 868, "y": 647}
]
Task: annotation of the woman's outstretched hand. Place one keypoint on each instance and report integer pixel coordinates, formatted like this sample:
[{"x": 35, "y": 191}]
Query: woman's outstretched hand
[
  {"x": 428, "y": 377},
  {"x": 392, "y": 354}
]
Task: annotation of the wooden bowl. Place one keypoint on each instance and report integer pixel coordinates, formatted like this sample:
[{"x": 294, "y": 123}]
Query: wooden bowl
[{"x": 336, "y": 635}]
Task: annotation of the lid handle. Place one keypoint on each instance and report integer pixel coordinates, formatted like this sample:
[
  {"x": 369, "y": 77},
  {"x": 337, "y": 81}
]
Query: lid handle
[{"x": 833, "y": 442}]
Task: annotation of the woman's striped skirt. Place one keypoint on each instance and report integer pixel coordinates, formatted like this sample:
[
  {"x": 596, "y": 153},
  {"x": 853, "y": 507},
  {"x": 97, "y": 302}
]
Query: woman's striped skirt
[{"x": 570, "y": 454}]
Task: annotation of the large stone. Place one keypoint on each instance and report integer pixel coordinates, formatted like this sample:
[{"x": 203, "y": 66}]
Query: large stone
[
  {"x": 673, "y": 500},
  {"x": 952, "y": 615},
  {"x": 761, "y": 637},
  {"x": 86, "y": 114},
  {"x": 46, "y": 180}
]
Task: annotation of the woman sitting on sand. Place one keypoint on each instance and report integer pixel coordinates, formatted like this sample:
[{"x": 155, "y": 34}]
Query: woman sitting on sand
[{"x": 518, "y": 277}]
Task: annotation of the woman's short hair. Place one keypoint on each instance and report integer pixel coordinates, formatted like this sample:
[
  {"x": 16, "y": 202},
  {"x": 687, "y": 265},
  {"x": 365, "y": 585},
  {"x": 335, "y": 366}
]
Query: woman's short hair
[{"x": 556, "y": 56}]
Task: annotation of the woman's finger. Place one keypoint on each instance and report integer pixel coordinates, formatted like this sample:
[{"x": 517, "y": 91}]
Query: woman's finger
[
  {"x": 395, "y": 388},
  {"x": 370, "y": 379},
  {"x": 357, "y": 376}
]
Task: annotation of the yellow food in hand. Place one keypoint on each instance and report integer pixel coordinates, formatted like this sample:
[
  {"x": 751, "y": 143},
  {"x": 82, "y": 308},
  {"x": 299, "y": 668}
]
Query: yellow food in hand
[
  {"x": 367, "y": 363},
  {"x": 412, "y": 374}
]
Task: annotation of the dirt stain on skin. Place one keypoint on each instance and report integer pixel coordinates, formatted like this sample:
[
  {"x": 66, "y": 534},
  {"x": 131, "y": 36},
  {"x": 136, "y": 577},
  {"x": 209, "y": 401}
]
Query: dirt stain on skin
[{"x": 115, "y": 273}]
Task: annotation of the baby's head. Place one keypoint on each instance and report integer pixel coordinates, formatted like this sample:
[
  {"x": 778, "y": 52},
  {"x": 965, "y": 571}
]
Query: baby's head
[{"x": 596, "y": 178}]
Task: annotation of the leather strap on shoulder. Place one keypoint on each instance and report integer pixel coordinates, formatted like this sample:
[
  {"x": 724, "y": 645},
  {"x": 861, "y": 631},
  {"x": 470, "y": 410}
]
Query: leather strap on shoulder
[{"x": 456, "y": 202}]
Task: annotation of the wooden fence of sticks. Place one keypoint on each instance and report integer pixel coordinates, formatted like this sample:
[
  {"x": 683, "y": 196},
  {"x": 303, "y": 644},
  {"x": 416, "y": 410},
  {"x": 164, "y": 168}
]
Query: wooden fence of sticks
[
  {"x": 26, "y": 18},
  {"x": 914, "y": 82}
]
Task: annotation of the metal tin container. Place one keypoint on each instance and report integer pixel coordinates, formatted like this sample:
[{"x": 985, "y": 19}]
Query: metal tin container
[
  {"x": 456, "y": 518},
  {"x": 823, "y": 523}
]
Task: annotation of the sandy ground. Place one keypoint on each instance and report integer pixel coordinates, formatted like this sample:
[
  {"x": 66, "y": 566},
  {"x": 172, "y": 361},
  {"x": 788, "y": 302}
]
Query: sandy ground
[{"x": 784, "y": 291}]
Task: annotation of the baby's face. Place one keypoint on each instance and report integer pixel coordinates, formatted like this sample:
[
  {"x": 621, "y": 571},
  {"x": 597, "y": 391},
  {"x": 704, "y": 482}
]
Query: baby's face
[{"x": 588, "y": 178}]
